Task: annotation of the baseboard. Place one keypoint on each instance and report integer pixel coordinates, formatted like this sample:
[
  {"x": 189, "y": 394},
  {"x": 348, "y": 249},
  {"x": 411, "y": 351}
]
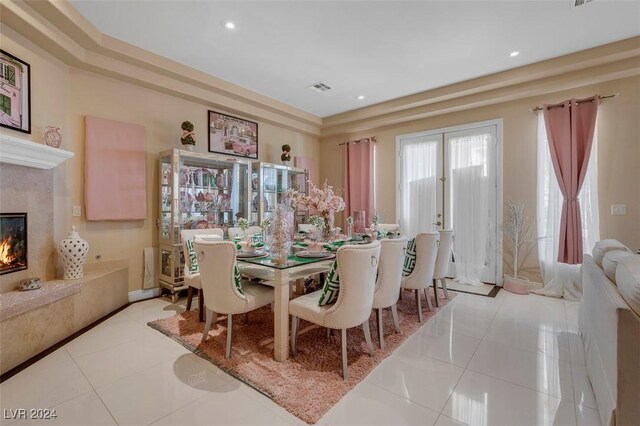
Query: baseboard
[{"x": 137, "y": 295}]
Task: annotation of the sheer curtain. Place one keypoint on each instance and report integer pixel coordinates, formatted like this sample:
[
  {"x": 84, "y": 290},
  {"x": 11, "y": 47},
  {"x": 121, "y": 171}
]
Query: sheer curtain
[
  {"x": 418, "y": 185},
  {"x": 469, "y": 192},
  {"x": 560, "y": 279}
]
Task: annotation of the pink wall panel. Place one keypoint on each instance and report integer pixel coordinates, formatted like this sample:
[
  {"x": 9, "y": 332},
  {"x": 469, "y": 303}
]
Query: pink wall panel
[{"x": 115, "y": 170}]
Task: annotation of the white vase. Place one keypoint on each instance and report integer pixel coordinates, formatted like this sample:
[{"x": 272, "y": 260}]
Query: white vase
[
  {"x": 73, "y": 253},
  {"x": 189, "y": 147}
]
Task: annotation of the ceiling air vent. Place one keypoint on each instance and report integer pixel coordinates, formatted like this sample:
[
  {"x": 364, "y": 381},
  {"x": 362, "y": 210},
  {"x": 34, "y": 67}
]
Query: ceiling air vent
[
  {"x": 319, "y": 87},
  {"x": 577, "y": 3}
]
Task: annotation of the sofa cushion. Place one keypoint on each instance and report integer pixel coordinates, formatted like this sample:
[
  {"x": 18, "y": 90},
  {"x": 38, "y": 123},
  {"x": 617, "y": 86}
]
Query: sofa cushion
[
  {"x": 628, "y": 281},
  {"x": 603, "y": 246},
  {"x": 610, "y": 262}
]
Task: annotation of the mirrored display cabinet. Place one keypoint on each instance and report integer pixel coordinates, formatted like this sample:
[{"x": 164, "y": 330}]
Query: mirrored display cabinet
[{"x": 197, "y": 191}]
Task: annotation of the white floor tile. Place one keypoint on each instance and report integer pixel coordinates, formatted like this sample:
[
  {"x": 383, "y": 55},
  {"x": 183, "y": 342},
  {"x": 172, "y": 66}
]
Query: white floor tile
[
  {"x": 582, "y": 389},
  {"x": 586, "y": 416},
  {"x": 44, "y": 385},
  {"x": 482, "y": 400},
  {"x": 448, "y": 421},
  {"x": 428, "y": 382},
  {"x": 369, "y": 405},
  {"x": 226, "y": 405},
  {"x": 528, "y": 369},
  {"x": 576, "y": 345},
  {"x": 112, "y": 364},
  {"x": 80, "y": 411},
  {"x": 450, "y": 347},
  {"x": 526, "y": 337},
  {"x": 154, "y": 393},
  {"x": 106, "y": 335},
  {"x": 461, "y": 319},
  {"x": 154, "y": 309}
]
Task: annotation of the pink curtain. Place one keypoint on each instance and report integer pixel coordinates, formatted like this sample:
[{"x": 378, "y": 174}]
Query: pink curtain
[
  {"x": 570, "y": 128},
  {"x": 358, "y": 177}
]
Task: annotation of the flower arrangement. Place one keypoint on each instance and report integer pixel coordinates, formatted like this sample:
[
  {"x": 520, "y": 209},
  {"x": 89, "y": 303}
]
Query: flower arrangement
[
  {"x": 320, "y": 201},
  {"x": 265, "y": 223},
  {"x": 316, "y": 221},
  {"x": 323, "y": 202},
  {"x": 286, "y": 153},
  {"x": 188, "y": 135},
  {"x": 243, "y": 224}
]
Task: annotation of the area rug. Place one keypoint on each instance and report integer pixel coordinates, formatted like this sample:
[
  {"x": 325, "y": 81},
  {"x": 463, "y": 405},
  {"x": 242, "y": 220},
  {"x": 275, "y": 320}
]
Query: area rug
[{"x": 306, "y": 385}]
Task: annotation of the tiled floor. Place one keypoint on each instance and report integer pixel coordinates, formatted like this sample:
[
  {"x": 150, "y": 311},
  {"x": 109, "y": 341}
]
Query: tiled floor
[{"x": 509, "y": 360}]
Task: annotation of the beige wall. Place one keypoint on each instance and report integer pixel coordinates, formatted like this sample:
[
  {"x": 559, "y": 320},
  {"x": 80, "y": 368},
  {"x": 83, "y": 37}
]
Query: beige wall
[
  {"x": 618, "y": 155},
  {"x": 64, "y": 95}
]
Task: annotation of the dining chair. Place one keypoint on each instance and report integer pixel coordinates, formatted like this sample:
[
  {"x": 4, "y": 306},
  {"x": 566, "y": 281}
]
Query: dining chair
[
  {"x": 356, "y": 266},
  {"x": 224, "y": 292},
  {"x": 235, "y": 232},
  {"x": 191, "y": 272},
  {"x": 388, "y": 281},
  {"x": 420, "y": 263},
  {"x": 442, "y": 262},
  {"x": 388, "y": 227}
]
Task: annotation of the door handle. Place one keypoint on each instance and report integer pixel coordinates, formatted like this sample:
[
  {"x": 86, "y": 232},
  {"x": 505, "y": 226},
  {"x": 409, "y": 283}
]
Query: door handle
[{"x": 438, "y": 223}]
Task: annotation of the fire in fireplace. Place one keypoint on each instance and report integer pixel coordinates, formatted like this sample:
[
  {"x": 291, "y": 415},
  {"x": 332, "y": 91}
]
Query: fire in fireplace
[{"x": 13, "y": 246}]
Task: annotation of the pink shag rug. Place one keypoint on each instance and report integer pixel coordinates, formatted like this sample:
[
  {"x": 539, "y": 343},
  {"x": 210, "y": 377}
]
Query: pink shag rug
[{"x": 306, "y": 385}]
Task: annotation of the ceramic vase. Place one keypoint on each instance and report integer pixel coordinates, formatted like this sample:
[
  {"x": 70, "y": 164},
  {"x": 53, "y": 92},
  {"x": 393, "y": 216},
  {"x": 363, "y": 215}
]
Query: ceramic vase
[
  {"x": 73, "y": 253},
  {"x": 53, "y": 136},
  {"x": 189, "y": 147}
]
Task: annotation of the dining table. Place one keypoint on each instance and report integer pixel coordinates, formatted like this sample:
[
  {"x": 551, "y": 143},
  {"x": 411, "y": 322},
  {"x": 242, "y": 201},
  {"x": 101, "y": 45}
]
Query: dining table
[{"x": 280, "y": 274}]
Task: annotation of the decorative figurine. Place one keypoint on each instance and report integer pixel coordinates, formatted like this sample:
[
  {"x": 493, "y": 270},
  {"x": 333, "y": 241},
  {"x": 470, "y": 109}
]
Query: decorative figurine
[
  {"x": 188, "y": 137},
  {"x": 286, "y": 154}
]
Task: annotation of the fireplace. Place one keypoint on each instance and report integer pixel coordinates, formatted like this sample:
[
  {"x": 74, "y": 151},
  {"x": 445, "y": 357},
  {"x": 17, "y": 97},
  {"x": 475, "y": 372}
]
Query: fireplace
[{"x": 13, "y": 243}]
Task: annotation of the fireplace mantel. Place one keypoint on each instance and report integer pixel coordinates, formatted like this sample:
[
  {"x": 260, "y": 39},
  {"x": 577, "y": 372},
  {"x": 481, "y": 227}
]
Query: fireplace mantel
[{"x": 23, "y": 152}]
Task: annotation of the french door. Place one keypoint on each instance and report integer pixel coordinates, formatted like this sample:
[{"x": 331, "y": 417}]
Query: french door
[{"x": 450, "y": 178}]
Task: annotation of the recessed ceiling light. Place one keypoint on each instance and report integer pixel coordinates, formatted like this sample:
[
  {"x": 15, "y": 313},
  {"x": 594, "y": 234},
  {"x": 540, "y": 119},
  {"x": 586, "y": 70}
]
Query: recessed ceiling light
[
  {"x": 514, "y": 53},
  {"x": 229, "y": 25},
  {"x": 360, "y": 97}
]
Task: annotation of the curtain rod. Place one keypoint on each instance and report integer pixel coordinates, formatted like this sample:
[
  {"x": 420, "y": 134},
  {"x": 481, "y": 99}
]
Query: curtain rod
[
  {"x": 372, "y": 139},
  {"x": 536, "y": 109}
]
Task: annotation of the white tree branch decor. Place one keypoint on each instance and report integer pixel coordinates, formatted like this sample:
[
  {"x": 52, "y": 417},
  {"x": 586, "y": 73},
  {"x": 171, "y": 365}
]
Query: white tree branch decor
[{"x": 518, "y": 229}]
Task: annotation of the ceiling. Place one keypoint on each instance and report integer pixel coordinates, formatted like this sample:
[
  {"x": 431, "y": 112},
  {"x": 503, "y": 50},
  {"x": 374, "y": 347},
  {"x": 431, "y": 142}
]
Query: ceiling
[{"x": 381, "y": 50}]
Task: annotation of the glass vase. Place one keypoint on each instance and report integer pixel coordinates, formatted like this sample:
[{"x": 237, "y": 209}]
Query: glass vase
[
  {"x": 359, "y": 222},
  {"x": 329, "y": 222},
  {"x": 281, "y": 233}
]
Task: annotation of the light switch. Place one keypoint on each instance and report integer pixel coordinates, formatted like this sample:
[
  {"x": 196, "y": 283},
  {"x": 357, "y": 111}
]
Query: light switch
[
  {"x": 618, "y": 209},
  {"x": 77, "y": 211}
]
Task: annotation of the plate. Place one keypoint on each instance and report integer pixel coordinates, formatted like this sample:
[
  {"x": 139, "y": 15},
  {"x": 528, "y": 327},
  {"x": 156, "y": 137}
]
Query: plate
[
  {"x": 250, "y": 255},
  {"x": 309, "y": 255}
]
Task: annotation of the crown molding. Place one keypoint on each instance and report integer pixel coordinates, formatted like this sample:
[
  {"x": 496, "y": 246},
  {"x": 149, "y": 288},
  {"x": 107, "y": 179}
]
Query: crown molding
[
  {"x": 604, "y": 63},
  {"x": 60, "y": 29}
]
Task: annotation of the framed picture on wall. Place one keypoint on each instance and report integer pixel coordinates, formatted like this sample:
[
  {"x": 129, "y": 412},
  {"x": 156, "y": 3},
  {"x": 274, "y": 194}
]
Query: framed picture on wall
[
  {"x": 15, "y": 93},
  {"x": 232, "y": 135}
]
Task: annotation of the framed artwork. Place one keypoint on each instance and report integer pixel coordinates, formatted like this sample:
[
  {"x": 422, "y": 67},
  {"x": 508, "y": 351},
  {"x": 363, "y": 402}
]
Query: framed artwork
[
  {"x": 15, "y": 93},
  {"x": 232, "y": 135}
]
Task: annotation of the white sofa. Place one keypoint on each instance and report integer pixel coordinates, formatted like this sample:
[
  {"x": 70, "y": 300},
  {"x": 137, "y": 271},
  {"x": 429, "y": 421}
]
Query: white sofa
[{"x": 609, "y": 321}]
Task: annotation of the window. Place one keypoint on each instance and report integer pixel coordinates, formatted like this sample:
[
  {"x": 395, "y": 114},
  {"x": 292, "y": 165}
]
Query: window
[
  {"x": 8, "y": 72},
  {"x": 5, "y": 104}
]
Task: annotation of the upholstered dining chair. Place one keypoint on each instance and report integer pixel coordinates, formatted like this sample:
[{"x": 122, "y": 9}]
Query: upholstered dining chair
[
  {"x": 389, "y": 227},
  {"x": 237, "y": 232},
  {"x": 224, "y": 291},
  {"x": 442, "y": 262},
  {"x": 421, "y": 275},
  {"x": 192, "y": 275},
  {"x": 356, "y": 268},
  {"x": 388, "y": 281}
]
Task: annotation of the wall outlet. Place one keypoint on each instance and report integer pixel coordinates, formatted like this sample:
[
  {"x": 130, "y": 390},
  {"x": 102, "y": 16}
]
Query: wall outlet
[
  {"x": 77, "y": 211},
  {"x": 618, "y": 209}
]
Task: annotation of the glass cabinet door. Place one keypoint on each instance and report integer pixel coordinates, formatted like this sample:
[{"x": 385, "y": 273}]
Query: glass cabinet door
[
  {"x": 270, "y": 183},
  {"x": 212, "y": 194}
]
